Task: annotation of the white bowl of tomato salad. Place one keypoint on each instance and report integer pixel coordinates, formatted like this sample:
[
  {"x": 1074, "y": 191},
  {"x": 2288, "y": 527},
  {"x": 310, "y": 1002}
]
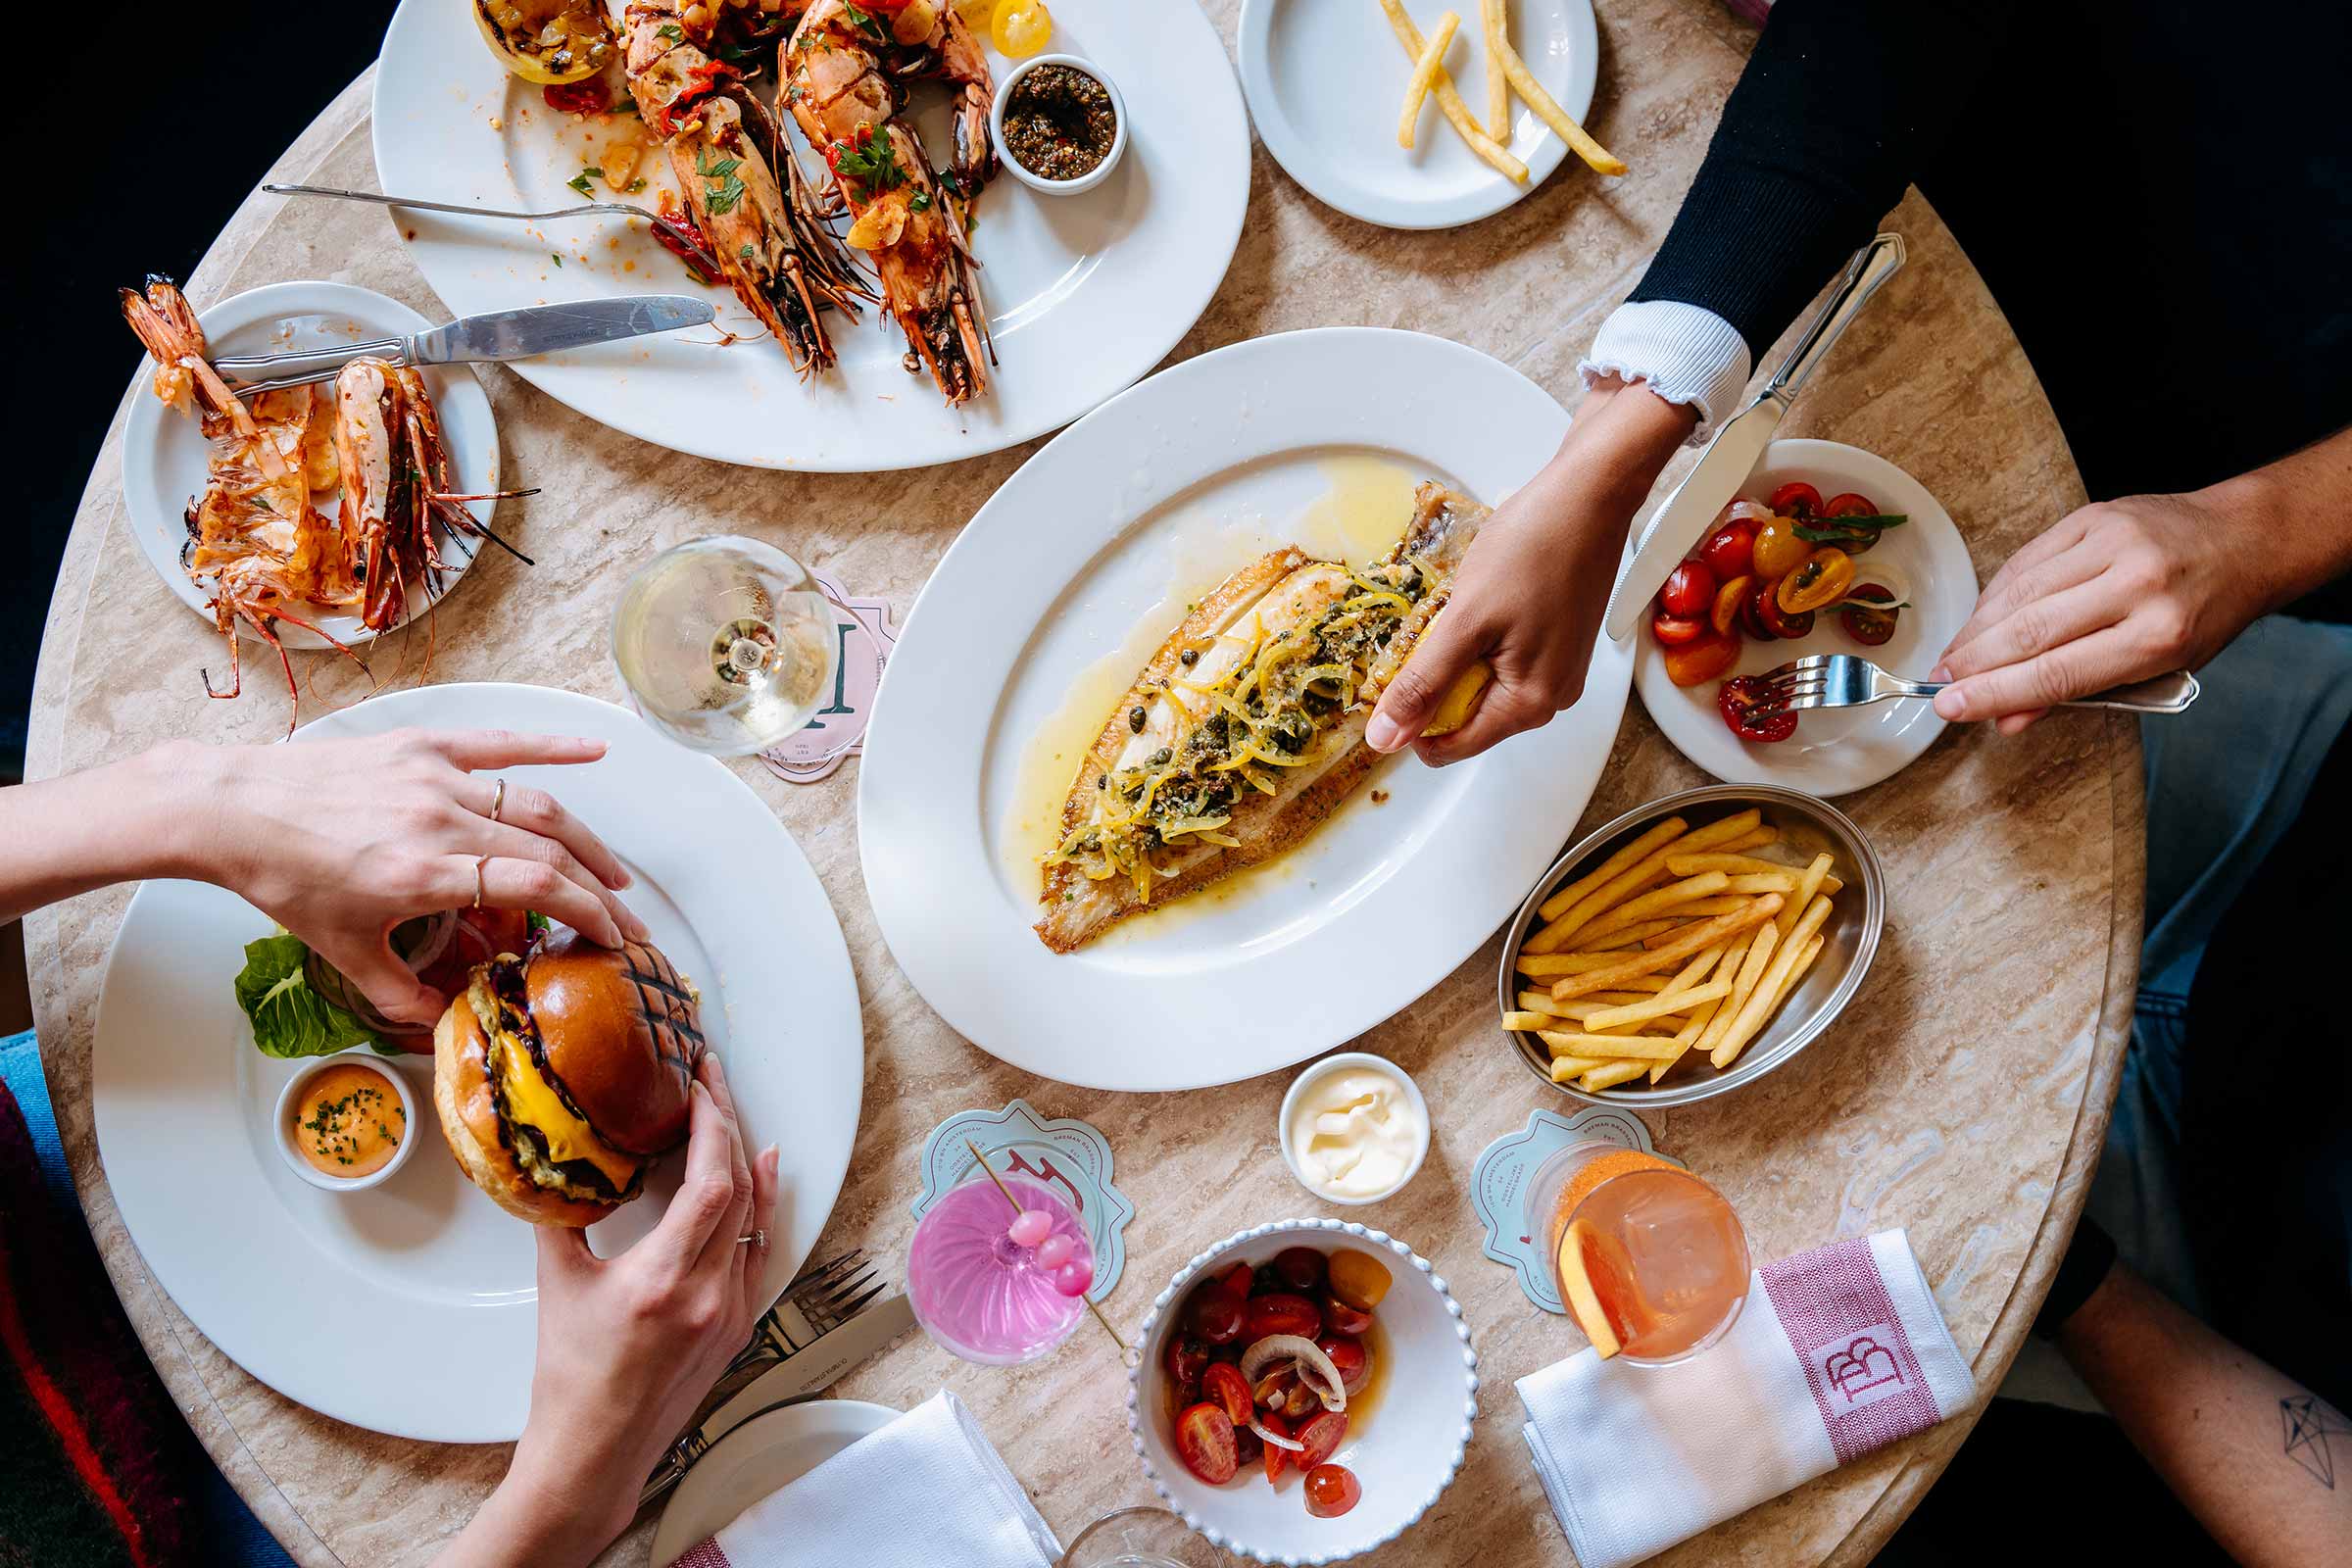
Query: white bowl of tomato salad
[
  {"x": 1828, "y": 548},
  {"x": 1351, "y": 1467}
]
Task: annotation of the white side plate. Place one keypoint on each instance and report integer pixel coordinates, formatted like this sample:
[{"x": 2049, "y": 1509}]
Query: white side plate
[
  {"x": 1325, "y": 81},
  {"x": 1218, "y": 457},
  {"x": 1086, "y": 292},
  {"x": 753, "y": 1460},
  {"x": 165, "y": 458},
  {"x": 1833, "y": 751},
  {"x": 276, "y": 1273}
]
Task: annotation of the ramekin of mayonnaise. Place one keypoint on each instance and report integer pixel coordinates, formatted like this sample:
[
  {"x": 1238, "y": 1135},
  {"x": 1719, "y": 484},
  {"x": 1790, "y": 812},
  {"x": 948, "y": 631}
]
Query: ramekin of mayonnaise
[{"x": 1353, "y": 1128}]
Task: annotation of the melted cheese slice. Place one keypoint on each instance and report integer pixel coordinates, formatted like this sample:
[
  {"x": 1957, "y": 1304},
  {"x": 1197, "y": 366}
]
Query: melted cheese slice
[{"x": 532, "y": 1099}]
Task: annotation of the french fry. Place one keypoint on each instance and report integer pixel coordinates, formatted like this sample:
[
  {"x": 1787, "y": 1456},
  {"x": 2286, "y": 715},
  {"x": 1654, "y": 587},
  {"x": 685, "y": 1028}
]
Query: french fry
[
  {"x": 1499, "y": 83},
  {"x": 1630, "y": 936},
  {"x": 1599, "y": 158},
  {"x": 1539, "y": 964},
  {"x": 1624, "y": 885},
  {"x": 1751, "y": 969},
  {"x": 1686, "y": 1037},
  {"x": 1656, "y": 838},
  {"x": 1741, "y": 864},
  {"x": 1662, "y": 900},
  {"x": 1641, "y": 1011},
  {"x": 1762, "y": 882},
  {"x": 1528, "y": 1020},
  {"x": 1450, "y": 101},
  {"x": 1432, "y": 59},
  {"x": 1609, "y": 1077},
  {"x": 1563, "y": 1068},
  {"x": 1696, "y": 970},
  {"x": 1800, "y": 904},
  {"x": 1767, "y": 992},
  {"x": 1568, "y": 1043},
  {"x": 1694, "y": 939},
  {"x": 1698, "y": 909},
  {"x": 1540, "y": 1001},
  {"x": 1753, "y": 839}
]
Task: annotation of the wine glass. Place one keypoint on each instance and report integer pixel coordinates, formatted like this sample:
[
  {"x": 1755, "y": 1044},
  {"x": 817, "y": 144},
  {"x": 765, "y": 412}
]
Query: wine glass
[
  {"x": 728, "y": 644},
  {"x": 1142, "y": 1537}
]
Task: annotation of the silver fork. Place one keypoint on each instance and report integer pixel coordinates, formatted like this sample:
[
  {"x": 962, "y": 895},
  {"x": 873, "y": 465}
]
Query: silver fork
[
  {"x": 686, "y": 237},
  {"x": 1841, "y": 680},
  {"x": 823, "y": 1298}
]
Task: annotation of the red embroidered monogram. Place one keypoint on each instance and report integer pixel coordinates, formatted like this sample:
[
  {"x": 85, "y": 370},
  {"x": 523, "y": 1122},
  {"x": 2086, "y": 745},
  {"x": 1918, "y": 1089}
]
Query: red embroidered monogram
[{"x": 1867, "y": 1383}]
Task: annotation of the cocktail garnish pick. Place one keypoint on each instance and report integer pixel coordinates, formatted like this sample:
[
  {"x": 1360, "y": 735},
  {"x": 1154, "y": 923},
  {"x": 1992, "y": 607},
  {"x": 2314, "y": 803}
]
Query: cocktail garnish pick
[{"x": 982, "y": 1160}]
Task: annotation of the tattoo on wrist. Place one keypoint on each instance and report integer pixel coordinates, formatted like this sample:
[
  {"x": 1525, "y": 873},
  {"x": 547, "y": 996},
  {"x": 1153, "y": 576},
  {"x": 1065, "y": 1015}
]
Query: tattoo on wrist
[{"x": 2307, "y": 1424}]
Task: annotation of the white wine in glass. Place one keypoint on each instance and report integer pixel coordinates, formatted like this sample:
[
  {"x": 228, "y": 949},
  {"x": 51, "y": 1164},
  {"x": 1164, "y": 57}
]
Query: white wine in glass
[{"x": 727, "y": 644}]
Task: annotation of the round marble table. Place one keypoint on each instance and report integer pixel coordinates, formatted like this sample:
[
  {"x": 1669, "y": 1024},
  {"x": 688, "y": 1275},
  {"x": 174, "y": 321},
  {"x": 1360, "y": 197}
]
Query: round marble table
[{"x": 1966, "y": 1098}]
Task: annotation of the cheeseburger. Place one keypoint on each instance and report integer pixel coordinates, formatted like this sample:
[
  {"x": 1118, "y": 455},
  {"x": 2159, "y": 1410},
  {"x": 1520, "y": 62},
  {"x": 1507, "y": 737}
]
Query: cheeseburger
[{"x": 562, "y": 1074}]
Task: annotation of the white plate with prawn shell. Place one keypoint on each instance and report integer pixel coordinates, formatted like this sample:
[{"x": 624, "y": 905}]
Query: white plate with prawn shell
[
  {"x": 165, "y": 455},
  {"x": 1086, "y": 292},
  {"x": 1224, "y": 453},
  {"x": 274, "y": 1271}
]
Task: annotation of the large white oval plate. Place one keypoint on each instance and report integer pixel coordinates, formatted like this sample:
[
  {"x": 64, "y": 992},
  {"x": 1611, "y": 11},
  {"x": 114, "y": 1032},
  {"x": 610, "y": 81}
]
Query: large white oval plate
[
  {"x": 1325, "y": 79},
  {"x": 1834, "y": 753},
  {"x": 278, "y": 1273},
  {"x": 1087, "y": 292},
  {"x": 165, "y": 458},
  {"x": 1055, "y": 571}
]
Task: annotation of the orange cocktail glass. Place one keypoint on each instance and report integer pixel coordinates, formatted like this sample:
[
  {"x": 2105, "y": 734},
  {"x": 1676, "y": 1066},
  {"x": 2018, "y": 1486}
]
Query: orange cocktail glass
[{"x": 1650, "y": 1260}]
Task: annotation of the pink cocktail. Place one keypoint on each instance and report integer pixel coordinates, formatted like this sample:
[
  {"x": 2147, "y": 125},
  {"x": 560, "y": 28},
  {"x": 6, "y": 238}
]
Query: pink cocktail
[{"x": 993, "y": 1287}]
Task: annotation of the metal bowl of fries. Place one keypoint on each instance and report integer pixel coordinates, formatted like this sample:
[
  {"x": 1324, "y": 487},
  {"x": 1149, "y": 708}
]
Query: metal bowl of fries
[{"x": 1691, "y": 946}]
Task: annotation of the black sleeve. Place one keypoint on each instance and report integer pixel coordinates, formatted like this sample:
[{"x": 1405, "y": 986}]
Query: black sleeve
[{"x": 1840, "y": 103}]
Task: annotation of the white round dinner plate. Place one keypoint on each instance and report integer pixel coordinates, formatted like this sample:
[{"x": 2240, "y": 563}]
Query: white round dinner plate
[
  {"x": 278, "y": 1273},
  {"x": 748, "y": 1463},
  {"x": 1075, "y": 569},
  {"x": 165, "y": 455},
  {"x": 1325, "y": 81},
  {"x": 1833, "y": 751},
  {"x": 1086, "y": 292}
]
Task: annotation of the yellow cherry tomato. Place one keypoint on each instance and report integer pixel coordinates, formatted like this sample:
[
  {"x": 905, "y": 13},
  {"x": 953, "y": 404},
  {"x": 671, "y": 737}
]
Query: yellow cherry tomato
[
  {"x": 1020, "y": 28},
  {"x": 1823, "y": 579},
  {"x": 976, "y": 13},
  {"x": 1358, "y": 1279},
  {"x": 1779, "y": 551}
]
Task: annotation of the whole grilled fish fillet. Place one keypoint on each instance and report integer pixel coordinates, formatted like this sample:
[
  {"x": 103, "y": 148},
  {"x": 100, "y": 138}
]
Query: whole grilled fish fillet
[{"x": 1284, "y": 593}]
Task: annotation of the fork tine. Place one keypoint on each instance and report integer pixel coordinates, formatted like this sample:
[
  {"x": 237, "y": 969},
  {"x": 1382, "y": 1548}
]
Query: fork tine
[
  {"x": 825, "y": 1273},
  {"x": 829, "y": 1299}
]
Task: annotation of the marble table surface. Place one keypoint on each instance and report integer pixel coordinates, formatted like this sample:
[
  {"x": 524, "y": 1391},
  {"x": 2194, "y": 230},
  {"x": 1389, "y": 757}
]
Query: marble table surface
[{"x": 1965, "y": 1097}]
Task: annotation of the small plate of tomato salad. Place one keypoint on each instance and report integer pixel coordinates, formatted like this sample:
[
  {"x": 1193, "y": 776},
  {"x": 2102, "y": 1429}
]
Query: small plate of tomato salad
[{"x": 1829, "y": 549}]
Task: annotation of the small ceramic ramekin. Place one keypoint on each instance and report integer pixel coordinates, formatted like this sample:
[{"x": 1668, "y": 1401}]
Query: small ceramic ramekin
[
  {"x": 281, "y": 1122},
  {"x": 1341, "y": 1062},
  {"x": 1021, "y": 171}
]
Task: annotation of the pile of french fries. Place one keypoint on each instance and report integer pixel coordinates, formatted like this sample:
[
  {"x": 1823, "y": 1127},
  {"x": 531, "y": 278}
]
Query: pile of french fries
[
  {"x": 1682, "y": 942},
  {"x": 1506, "y": 74}
]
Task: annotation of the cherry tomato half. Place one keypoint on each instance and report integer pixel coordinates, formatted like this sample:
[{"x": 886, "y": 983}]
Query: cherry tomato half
[
  {"x": 1281, "y": 1313},
  {"x": 1690, "y": 589},
  {"x": 1322, "y": 1434},
  {"x": 1869, "y": 613},
  {"x": 1779, "y": 551},
  {"x": 1730, "y": 550},
  {"x": 1276, "y": 1454},
  {"x": 1186, "y": 1360},
  {"x": 1723, "y": 615},
  {"x": 1672, "y": 631},
  {"x": 1349, "y": 1356},
  {"x": 1300, "y": 1267},
  {"x": 1020, "y": 28},
  {"x": 1823, "y": 579},
  {"x": 1849, "y": 504},
  {"x": 1204, "y": 1443},
  {"x": 1763, "y": 615},
  {"x": 1223, "y": 1385},
  {"x": 1214, "y": 1313},
  {"x": 1796, "y": 499},
  {"x": 1695, "y": 663},
  {"x": 1359, "y": 1279},
  {"x": 1344, "y": 1319},
  {"x": 1737, "y": 700},
  {"x": 1332, "y": 1490}
]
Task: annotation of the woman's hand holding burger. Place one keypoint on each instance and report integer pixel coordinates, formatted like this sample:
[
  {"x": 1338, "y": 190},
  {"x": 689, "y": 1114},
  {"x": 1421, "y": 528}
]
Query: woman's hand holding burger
[
  {"x": 340, "y": 840},
  {"x": 628, "y": 1346}
]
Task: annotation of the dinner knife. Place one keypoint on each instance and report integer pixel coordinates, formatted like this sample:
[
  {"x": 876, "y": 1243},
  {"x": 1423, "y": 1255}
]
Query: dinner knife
[
  {"x": 800, "y": 1376},
  {"x": 498, "y": 335},
  {"x": 1740, "y": 445}
]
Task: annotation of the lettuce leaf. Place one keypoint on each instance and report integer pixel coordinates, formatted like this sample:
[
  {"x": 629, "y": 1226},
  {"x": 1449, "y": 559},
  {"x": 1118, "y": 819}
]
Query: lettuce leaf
[{"x": 289, "y": 1017}]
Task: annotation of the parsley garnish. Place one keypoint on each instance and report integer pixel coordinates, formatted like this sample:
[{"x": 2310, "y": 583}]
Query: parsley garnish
[
  {"x": 558, "y": 260},
  {"x": 872, "y": 163},
  {"x": 669, "y": 32},
  {"x": 721, "y": 188},
  {"x": 636, "y": 185},
  {"x": 579, "y": 182},
  {"x": 920, "y": 202},
  {"x": 746, "y": 253},
  {"x": 861, "y": 19}
]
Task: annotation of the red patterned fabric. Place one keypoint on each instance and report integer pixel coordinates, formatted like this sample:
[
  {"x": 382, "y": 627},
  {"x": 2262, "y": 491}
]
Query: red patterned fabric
[
  {"x": 703, "y": 1555},
  {"x": 1866, "y": 1380}
]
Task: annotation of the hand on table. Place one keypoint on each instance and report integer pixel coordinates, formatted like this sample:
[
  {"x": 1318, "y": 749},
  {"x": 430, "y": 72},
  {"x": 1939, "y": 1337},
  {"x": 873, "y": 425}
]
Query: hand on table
[
  {"x": 339, "y": 841},
  {"x": 1530, "y": 593},
  {"x": 628, "y": 1348}
]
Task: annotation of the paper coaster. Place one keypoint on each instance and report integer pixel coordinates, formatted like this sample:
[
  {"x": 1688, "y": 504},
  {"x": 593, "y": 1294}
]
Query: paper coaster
[
  {"x": 1062, "y": 1153},
  {"x": 1498, "y": 1186},
  {"x": 838, "y": 730}
]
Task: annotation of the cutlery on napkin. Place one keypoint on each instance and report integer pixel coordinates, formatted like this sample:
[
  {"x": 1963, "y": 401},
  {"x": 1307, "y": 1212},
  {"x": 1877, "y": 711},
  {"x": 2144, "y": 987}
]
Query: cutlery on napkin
[{"x": 1839, "y": 1351}]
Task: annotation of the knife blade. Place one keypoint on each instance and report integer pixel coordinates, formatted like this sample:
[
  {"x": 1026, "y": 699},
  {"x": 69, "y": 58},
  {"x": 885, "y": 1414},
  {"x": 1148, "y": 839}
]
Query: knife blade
[
  {"x": 798, "y": 1376},
  {"x": 494, "y": 336},
  {"x": 1740, "y": 445}
]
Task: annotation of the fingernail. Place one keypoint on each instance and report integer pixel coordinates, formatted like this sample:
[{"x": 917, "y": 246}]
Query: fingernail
[
  {"x": 638, "y": 929},
  {"x": 770, "y": 1158},
  {"x": 1941, "y": 672},
  {"x": 1950, "y": 704},
  {"x": 622, "y": 878},
  {"x": 1382, "y": 733}
]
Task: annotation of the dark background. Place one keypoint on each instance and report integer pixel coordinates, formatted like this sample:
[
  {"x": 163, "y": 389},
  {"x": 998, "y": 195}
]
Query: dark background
[{"x": 148, "y": 167}]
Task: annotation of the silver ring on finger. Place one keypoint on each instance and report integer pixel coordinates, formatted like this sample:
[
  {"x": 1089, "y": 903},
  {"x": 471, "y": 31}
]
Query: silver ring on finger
[
  {"x": 497, "y": 799},
  {"x": 479, "y": 890},
  {"x": 756, "y": 1239}
]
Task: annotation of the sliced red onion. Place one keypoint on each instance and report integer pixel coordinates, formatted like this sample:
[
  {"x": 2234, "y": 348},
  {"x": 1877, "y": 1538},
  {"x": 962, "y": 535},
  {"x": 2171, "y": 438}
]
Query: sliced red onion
[
  {"x": 1277, "y": 1439},
  {"x": 1743, "y": 508},
  {"x": 1304, "y": 1354},
  {"x": 439, "y": 929}
]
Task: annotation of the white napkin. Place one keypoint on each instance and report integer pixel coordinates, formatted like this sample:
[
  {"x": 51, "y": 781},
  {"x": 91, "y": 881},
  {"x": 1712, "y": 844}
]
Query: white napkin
[
  {"x": 926, "y": 1489},
  {"x": 1838, "y": 1350}
]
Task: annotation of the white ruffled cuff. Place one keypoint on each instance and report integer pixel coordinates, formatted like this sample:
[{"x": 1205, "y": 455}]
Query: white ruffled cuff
[{"x": 1686, "y": 354}]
